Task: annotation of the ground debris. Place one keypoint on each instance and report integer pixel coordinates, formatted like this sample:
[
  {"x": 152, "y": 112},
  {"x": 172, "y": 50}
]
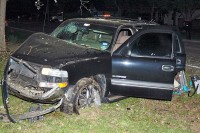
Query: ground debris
[{"x": 4, "y": 118}]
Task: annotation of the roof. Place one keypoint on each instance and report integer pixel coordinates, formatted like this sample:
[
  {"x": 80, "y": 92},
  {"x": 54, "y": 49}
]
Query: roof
[{"x": 114, "y": 22}]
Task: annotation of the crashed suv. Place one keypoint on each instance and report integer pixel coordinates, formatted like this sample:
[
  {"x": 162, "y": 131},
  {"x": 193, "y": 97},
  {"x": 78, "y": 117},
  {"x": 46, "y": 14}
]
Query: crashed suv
[{"x": 86, "y": 61}]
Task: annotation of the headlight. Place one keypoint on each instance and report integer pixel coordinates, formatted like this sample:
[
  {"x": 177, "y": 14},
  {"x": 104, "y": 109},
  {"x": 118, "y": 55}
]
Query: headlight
[
  {"x": 11, "y": 60},
  {"x": 52, "y": 85},
  {"x": 60, "y": 78},
  {"x": 54, "y": 72}
]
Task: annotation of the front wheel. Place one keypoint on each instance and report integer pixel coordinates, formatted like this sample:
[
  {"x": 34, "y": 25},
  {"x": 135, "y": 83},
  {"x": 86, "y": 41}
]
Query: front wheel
[{"x": 88, "y": 93}]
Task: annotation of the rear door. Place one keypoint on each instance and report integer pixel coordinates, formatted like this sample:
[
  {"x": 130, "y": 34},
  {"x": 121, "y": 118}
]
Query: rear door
[{"x": 145, "y": 66}]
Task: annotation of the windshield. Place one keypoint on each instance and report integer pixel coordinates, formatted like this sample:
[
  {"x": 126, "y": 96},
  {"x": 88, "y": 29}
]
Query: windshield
[{"x": 85, "y": 34}]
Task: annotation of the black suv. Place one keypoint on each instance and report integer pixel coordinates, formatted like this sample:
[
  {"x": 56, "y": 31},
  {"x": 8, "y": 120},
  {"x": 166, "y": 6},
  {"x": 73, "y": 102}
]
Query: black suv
[{"x": 86, "y": 60}]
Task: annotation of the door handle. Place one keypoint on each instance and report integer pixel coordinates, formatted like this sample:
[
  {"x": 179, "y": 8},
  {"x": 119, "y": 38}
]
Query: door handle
[
  {"x": 178, "y": 61},
  {"x": 167, "y": 68}
]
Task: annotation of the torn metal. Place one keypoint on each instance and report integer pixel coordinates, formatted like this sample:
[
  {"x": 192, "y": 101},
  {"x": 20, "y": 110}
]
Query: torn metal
[
  {"x": 34, "y": 72},
  {"x": 6, "y": 85},
  {"x": 26, "y": 80}
]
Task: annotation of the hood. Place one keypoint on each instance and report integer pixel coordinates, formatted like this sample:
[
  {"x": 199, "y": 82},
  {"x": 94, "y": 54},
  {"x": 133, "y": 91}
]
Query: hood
[{"x": 46, "y": 50}]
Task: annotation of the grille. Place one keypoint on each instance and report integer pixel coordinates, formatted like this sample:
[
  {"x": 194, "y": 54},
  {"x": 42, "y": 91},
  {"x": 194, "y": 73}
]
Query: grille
[{"x": 19, "y": 71}]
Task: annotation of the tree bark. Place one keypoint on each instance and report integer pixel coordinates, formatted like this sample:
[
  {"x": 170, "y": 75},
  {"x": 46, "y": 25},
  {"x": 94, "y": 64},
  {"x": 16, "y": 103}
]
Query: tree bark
[
  {"x": 174, "y": 16},
  {"x": 152, "y": 11},
  {"x": 2, "y": 25},
  {"x": 119, "y": 10},
  {"x": 188, "y": 22}
]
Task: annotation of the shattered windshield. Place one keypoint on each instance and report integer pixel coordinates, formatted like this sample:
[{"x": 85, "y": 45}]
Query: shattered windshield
[{"x": 85, "y": 34}]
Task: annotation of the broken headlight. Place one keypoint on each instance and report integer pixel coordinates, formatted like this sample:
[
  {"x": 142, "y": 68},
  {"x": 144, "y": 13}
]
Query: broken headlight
[{"x": 59, "y": 78}]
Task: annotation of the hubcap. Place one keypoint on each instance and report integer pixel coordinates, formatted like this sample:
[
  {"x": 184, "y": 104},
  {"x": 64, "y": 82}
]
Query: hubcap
[{"x": 88, "y": 97}]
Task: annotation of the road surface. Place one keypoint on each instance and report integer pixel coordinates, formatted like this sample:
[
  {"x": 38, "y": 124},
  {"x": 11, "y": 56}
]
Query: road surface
[{"x": 192, "y": 47}]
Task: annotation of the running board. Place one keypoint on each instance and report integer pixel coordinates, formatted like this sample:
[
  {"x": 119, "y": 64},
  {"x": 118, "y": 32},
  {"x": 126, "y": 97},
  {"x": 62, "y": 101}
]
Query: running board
[{"x": 113, "y": 98}]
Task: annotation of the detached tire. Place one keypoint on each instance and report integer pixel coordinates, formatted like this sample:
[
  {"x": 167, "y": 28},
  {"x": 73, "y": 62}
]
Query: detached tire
[
  {"x": 66, "y": 107},
  {"x": 87, "y": 92}
]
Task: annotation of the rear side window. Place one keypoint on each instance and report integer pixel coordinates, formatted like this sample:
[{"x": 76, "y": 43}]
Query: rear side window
[{"x": 153, "y": 44}]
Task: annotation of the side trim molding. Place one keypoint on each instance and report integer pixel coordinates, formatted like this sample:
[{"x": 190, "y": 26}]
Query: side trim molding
[{"x": 141, "y": 84}]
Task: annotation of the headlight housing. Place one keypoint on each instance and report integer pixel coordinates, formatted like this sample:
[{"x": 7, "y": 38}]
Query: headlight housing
[
  {"x": 52, "y": 76},
  {"x": 54, "y": 72}
]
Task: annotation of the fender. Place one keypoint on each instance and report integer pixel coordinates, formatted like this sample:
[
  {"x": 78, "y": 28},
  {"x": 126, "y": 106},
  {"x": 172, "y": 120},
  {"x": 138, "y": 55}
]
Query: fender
[{"x": 88, "y": 67}]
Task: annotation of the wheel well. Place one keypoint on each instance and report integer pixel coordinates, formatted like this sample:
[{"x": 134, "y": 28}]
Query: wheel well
[{"x": 103, "y": 83}]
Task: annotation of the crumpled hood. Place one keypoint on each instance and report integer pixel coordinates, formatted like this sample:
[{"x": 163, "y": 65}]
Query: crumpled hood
[{"x": 46, "y": 50}]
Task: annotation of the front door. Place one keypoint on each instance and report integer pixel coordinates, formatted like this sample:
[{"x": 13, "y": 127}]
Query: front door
[{"x": 147, "y": 68}]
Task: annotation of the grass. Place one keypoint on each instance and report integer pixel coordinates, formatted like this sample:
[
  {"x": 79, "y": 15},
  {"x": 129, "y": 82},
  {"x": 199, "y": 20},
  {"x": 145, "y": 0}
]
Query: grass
[{"x": 132, "y": 115}]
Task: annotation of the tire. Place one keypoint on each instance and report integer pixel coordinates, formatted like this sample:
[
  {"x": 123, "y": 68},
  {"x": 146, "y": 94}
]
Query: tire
[
  {"x": 66, "y": 107},
  {"x": 102, "y": 81},
  {"x": 87, "y": 92}
]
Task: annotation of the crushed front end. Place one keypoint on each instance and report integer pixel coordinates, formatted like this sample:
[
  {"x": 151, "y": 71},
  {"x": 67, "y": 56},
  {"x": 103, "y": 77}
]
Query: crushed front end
[{"x": 33, "y": 83}]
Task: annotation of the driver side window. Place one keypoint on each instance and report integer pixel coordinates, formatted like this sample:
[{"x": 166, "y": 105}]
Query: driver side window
[{"x": 153, "y": 44}]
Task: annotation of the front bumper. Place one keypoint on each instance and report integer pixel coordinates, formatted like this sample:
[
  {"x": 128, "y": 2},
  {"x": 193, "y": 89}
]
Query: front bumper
[
  {"x": 54, "y": 95},
  {"x": 22, "y": 79}
]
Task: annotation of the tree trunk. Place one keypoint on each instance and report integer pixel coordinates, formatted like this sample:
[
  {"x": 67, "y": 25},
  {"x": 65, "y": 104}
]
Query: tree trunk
[
  {"x": 152, "y": 12},
  {"x": 119, "y": 10},
  {"x": 174, "y": 17},
  {"x": 188, "y": 23},
  {"x": 2, "y": 25}
]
